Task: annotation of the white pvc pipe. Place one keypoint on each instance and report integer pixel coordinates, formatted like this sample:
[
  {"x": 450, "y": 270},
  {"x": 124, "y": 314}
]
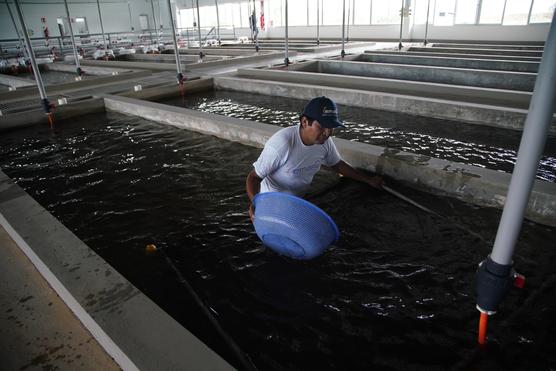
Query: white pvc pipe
[
  {"x": 34, "y": 64},
  {"x": 75, "y": 54},
  {"x": 102, "y": 28},
  {"x": 343, "y": 26},
  {"x": 427, "y": 24},
  {"x": 199, "y": 32},
  {"x": 287, "y": 59},
  {"x": 536, "y": 128},
  {"x": 174, "y": 39}
]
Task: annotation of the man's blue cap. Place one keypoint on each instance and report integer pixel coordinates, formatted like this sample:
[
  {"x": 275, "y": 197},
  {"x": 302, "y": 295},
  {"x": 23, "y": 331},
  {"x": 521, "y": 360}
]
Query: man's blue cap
[{"x": 325, "y": 111}]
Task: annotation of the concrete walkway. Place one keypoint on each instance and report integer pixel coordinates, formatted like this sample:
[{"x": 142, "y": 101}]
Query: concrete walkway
[{"x": 37, "y": 330}]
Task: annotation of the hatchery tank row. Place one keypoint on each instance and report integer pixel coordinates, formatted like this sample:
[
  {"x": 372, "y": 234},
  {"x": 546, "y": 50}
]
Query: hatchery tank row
[
  {"x": 476, "y": 145},
  {"x": 49, "y": 77},
  {"x": 396, "y": 292}
]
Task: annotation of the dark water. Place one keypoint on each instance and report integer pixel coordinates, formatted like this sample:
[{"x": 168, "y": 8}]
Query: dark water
[
  {"x": 395, "y": 293},
  {"x": 476, "y": 145}
]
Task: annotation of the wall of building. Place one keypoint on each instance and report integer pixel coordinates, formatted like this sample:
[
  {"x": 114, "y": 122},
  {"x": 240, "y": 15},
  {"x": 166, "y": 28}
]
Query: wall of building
[
  {"x": 117, "y": 15},
  {"x": 123, "y": 16}
]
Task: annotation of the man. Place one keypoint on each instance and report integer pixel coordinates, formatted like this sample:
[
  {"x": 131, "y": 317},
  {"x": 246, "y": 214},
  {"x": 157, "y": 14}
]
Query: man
[{"x": 292, "y": 156}]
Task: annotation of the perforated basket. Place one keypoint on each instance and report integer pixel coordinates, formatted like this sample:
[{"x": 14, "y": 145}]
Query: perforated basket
[{"x": 292, "y": 226}]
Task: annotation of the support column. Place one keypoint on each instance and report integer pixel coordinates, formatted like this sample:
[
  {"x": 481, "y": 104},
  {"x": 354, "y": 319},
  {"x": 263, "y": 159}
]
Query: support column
[
  {"x": 175, "y": 40},
  {"x": 287, "y": 59},
  {"x": 44, "y": 99},
  {"x": 102, "y": 29},
  {"x": 75, "y": 54}
]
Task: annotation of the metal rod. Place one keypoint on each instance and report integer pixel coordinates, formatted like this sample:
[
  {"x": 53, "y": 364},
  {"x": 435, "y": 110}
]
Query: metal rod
[
  {"x": 130, "y": 18},
  {"x": 102, "y": 28},
  {"x": 199, "y": 32},
  {"x": 427, "y": 23},
  {"x": 25, "y": 54},
  {"x": 75, "y": 55},
  {"x": 537, "y": 124},
  {"x": 255, "y": 28},
  {"x": 36, "y": 72},
  {"x": 400, "y": 46},
  {"x": 217, "y": 22},
  {"x": 343, "y": 53},
  {"x": 318, "y": 23},
  {"x": 287, "y": 59},
  {"x": 408, "y": 200},
  {"x": 155, "y": 26},
  {"x": 175, "y": 40}
]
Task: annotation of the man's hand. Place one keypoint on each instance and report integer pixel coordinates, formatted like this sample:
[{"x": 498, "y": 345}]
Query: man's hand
[{"x": 251, "y": 212}]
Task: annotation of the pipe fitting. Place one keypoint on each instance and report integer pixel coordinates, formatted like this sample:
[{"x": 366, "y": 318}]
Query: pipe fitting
[{"x": 494, "y": 281}]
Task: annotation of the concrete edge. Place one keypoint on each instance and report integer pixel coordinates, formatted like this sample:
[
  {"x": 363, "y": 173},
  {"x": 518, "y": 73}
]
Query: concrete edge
[
  {"x": 469, "y": 183},
  {"x": 32, "y": 92},
  {"x": 108, "y": 305},
  {"x": 499, "y": 98},
  {"x": 88, "y": 322},
  {"x": 453, "y": 111},
  {"x": 15, "y": 81},
  {"x": 37, "y": 116},
  {"x": 235, "y": 60},
  {"x": 171, "y": 90}
]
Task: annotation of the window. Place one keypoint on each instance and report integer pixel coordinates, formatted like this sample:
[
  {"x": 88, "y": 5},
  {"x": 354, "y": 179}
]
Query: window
[
  {"x": 466, "y": 11},
  {"x": 386, "y": 12},
  {"x": 313, "y": 6},
  {"x": 297, "y": 13},
  {"x": 245, "y": 14},
  {"x": 361, "y": 12},
  {"x": 225, "y": 14},
  {"x": 517, "y": 12},
  {"x": 207, "y": 16},
  {"x": 144, "y": 22},
  {"x": 236, "y": 13},
  {"x": 331, "y": 12},
  {"x": 276, "y": 13},
  {"x": 62, "y": 26},
  {"x": 491, "y": 11},
  {"x": 420, "y": 11},
  {"x": 542, "y": 11},
  {"x": 80, "y": 25},
  {"x": 444, "y": 13}
]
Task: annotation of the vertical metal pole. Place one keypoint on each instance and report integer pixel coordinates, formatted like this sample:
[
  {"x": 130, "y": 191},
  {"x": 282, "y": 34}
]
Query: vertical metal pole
[
  {"x": 287, "y": 59},
  {"x": 401, "y": 26},
  {"x": 155, "y": 26},
  {"x": 102, "y": 28},
  {"x": 25, "y": 54},
  {"x": 255, "y": 28},
  {"x": 130, "y": 19},
  {"x": 536, "y": 128},
  {"x": 343, "y": 27},
  {"x": 348, "y": 21},
  {"x": 201, "y": 55},
  {"x": 427, "y": 23},
  {"x": 175, "y": 40},
  {"x": 318, "y": 23},
  {"x": 36, "y": 72},
  {"x": 75, "y": 54},
  {"x": 217, "y": 22}
]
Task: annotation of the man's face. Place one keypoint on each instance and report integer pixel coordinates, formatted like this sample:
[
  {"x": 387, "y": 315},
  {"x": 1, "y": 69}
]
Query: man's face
[{"x": 316, "y": 134}]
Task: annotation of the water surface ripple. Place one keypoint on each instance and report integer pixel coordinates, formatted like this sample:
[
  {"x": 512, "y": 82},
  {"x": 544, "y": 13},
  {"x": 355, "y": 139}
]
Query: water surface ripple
[{"x": 396, "y": 291}]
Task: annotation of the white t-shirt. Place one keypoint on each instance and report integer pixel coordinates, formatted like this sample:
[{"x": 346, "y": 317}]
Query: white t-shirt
[{"x": 287, "y": 165}]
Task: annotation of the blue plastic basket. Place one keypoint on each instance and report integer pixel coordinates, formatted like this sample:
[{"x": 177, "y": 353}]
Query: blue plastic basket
[{"x": 292, "y": 226}]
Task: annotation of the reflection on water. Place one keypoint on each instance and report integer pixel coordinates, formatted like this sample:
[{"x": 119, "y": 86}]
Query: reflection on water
[
  {"x": 396, "y": 292},
  {"x": 470, "y": 144}
]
